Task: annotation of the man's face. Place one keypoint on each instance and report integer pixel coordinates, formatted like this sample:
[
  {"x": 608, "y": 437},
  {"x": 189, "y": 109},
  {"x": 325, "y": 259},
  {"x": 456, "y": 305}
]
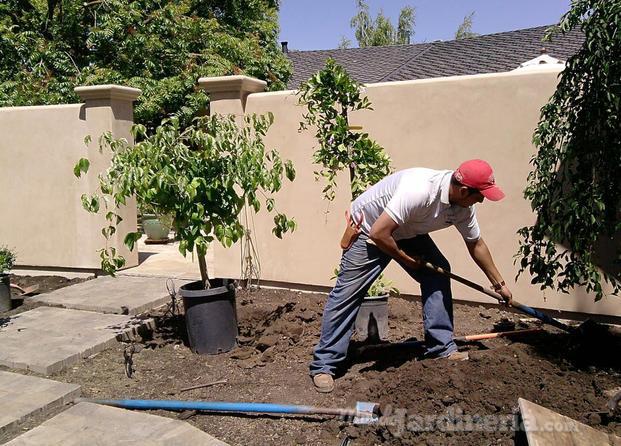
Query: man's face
[{"x": 467, "y": 197}]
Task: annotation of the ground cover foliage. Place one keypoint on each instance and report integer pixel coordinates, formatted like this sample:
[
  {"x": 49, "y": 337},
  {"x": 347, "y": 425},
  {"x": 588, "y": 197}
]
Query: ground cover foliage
[
  {"x": 48, "y": 48},
  {"x": 575, "y": 187}
]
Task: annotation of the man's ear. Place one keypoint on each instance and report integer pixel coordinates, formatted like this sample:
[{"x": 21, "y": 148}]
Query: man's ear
[{"x": 463, "y": 192}]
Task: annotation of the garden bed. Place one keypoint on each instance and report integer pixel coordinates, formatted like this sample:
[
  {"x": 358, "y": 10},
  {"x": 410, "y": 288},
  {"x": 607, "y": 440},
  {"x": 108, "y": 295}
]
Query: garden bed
[
  {"x": 45, "y": 283},
  {"x": 278, "y": 330}
]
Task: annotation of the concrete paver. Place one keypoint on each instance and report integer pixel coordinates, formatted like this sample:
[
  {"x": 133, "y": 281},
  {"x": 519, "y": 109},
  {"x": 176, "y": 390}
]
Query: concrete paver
[
  {"x": 544, "y": 427},
  {"x": 47, "y": 340},
  {"x": 117, "y": 295},
  {"x": 92, "y": 424},
  {"x": 22, "y": 395}
]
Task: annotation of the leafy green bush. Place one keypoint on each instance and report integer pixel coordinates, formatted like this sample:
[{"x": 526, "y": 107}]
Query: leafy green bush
[
  {"x": 575, "y": 187},
  {"x": 7, "y": 259},
  {"x": 202, "y": 175},
  {"x": 162, "y": 48}
]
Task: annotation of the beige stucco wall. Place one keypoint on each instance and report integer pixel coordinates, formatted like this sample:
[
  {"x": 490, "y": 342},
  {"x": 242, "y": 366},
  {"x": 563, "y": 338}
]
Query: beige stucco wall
[
  {"x": 42, "y": 217},
  {"x": 434, "y": 123}
]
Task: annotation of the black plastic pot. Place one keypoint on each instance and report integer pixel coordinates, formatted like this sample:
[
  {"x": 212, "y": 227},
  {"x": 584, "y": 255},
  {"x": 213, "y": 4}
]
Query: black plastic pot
[
  {"x": 372, "y": 319},
  {"x": 5, "y": 292},
  {"x": 210, "y": 316}
]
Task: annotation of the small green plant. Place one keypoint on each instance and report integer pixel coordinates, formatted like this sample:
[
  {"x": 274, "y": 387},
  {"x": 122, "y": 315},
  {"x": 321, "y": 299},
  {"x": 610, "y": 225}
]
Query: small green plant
[
  {"x": 7, "y": 259},
  {"x": 202, "y": 175},
  {"x": 381, "y": 287}
]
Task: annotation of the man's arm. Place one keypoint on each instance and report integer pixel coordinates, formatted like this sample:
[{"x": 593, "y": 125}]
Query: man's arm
[
  {"x": 381, "y": 235},
  {"x": 483, "y": 258}
]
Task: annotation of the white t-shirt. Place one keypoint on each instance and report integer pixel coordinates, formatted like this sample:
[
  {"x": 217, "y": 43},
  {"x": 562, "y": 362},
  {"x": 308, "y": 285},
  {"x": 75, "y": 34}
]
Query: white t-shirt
[{"x": 417, "y": 199}]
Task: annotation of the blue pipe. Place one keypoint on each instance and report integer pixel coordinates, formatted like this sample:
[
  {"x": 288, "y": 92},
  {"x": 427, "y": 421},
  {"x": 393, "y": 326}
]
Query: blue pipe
[{"x": 222, "y": 406}]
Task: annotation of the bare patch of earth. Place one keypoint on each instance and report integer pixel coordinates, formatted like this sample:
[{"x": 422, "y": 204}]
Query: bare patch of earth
[{"x": 278, "y": 329}]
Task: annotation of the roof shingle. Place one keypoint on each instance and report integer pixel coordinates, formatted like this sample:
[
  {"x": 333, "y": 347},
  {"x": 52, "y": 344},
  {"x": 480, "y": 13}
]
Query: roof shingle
[{"x": 490, "y": 53}]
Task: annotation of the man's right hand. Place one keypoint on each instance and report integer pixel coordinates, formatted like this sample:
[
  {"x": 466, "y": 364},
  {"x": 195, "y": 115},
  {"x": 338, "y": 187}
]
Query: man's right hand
[
  {"x": 416, "y": 262},
  {"x": 506, "y": 294}
]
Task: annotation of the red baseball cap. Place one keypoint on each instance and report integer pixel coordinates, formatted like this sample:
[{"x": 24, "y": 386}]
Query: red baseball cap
[{"x": 478, "y": 174}]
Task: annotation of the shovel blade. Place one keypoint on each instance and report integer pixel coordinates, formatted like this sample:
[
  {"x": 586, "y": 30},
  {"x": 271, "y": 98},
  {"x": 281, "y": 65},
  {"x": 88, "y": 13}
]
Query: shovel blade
[{"x": 366, "y": 413}]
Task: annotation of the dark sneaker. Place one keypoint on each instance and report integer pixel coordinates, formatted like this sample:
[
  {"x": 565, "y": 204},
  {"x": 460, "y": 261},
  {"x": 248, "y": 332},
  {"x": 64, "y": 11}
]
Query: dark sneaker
[{"x": 323, "y": 382}]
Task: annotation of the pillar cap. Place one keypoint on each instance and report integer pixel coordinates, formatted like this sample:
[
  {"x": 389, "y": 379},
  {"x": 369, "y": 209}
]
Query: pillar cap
[
  {"x": 242, "y": 84},
  {"x": 108, "y": 92}
]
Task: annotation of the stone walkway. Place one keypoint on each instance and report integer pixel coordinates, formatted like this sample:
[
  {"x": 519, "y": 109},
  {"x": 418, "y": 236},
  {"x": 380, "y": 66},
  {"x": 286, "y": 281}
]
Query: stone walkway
[
  {"x": 117, "y": 295},
  {"x": 47, "y": 340},
  {"x": 22, "y": 396},
  {"x": 78, "y": 324},
  {"x": 92, "y": 424}
]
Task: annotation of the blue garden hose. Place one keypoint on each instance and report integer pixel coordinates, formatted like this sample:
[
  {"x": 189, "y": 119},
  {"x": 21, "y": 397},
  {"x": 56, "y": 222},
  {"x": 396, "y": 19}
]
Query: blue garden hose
[{"x": 362, "y": 410}]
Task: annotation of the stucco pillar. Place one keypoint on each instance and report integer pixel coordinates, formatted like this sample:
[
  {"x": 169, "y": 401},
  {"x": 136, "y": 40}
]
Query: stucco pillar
[
  {"x": 228, "y": 94},
  {"x": 106, "y": 108}
]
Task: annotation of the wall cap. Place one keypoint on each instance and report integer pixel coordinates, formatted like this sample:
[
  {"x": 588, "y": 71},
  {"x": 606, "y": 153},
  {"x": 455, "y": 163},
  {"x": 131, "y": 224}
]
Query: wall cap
[
  {"x": 108, "y": 92},
  {"x": 241, "y": 84}
]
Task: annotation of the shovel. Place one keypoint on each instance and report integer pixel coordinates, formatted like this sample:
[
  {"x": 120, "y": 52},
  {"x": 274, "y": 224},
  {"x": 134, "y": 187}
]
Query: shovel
[
  {"x": 25, "y": 291},
  {"x": 468, "y": 338},
  {"x": 518, "y": 306},
  {"x": 363, "y": 413}
]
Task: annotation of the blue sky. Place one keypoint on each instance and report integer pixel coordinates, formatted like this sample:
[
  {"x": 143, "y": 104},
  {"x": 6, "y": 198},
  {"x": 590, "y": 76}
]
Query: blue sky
[{"x": 319, "y": 24}]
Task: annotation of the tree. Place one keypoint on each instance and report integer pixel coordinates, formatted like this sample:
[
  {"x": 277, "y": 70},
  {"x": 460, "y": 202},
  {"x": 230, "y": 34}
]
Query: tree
[
  {"x": 575, "y": 186},
  {"x": 344, "y": 43},
  {"x": 465, "y": 29},
  {"x": 48, "y": 48},
  {"x": 330, "y": 96},
  {"x": 380, "y": 31},
  {"x": 203, "y": 175}
]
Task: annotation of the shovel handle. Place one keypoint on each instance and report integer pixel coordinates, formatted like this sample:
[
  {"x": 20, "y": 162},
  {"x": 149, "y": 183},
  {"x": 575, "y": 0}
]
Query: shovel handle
[
  {"x": 523, "y": 308},
  {"x": 463, "y": 280}
]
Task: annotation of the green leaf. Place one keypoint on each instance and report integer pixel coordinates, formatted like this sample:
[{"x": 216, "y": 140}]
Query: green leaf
[
  {"x": 131, "y": 238},
  {"x": 289, "y": 170},
  {"x": 81, "y": 167},
  {"x": 91, "y": 204}
]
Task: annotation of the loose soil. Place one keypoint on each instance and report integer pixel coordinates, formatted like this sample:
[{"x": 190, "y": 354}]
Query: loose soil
[
  {"x": 278, "y": 329},
  {"x": 46, "y": 284}
]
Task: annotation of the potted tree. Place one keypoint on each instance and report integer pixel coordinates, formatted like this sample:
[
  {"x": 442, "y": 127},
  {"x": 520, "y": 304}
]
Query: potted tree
[
  {"x": 330, "y": 96},
  {"x": 202, "y": 176},
  {"x": 7, "y": 260}
]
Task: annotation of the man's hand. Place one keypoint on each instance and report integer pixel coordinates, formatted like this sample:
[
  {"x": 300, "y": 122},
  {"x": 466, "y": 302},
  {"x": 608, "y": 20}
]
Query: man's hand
[
  {"x": 415, "y": 263},
  {"x": 505, "y": 293}
]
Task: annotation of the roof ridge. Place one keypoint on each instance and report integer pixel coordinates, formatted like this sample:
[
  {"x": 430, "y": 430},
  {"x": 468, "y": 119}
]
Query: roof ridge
[
  {"x": 422, "y": 43},
  {"x": 406, "y": 62}
]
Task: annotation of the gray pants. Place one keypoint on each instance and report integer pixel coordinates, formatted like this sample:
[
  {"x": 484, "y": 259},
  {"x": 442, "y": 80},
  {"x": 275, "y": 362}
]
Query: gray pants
[{"x": 360, "y": 265}]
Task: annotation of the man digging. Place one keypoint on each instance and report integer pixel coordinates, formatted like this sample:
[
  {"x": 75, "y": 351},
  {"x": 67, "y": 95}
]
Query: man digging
[{"x": 392, "y": 220}]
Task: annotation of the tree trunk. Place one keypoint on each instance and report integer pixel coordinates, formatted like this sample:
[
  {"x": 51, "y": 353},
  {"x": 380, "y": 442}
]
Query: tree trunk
[
  {"x": 352, "y": 167},
  {"x": 202, "y": 264}
]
